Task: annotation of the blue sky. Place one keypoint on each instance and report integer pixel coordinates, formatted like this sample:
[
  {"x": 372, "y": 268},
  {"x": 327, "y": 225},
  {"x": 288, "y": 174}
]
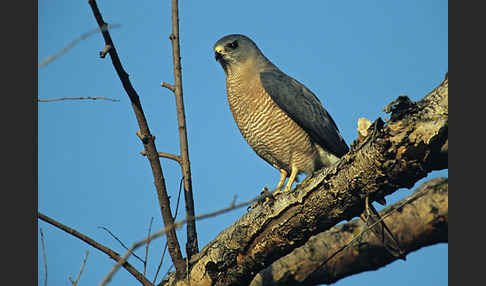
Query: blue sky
[{"x": 356, "y": 56}]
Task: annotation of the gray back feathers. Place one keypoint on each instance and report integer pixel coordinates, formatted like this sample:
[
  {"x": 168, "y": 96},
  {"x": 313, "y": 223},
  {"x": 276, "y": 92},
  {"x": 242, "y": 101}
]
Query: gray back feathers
[{"x": 305, "y": 109}]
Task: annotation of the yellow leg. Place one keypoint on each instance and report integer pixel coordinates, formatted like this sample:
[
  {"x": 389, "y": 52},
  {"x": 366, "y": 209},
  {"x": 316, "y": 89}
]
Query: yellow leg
[
  {"x": 291, "y": 180},
  {"x": 283, "y": 176}
]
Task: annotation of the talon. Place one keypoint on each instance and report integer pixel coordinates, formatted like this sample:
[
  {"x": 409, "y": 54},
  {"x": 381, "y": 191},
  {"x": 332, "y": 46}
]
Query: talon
[
  {"x": 265, "y": 200},
  {"x": 277, "y": 192},
  {"x": 252, "y": 206}
]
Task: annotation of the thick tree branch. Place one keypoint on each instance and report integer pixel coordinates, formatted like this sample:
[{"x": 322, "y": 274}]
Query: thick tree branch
[
  {"x": 392, "y": 156},
  {"x": 148, "y": 142},
  {"x": 191, "y": 245},
  {"x": 419, "y": 223}
]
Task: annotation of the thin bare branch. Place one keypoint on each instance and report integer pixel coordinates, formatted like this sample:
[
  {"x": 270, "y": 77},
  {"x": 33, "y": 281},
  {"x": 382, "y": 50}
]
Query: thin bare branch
[
  {"x": 192, "y": 244},
  {"x": 160, "y": 264},
  {"x": 168, "y": 86},
  {"x": 170, "y": 156},
  {"x": 165, "y": 246},
  {"x": 165, "y": 155},
  {"x": 78, "y": 98},
  {"x": 178, "y": 225},
  {"x": 178, "y": 199},
  {"x": 148, "y": 142},
  {"x": 147, "y": 247},
  {"x": 44, "y": 256},
  {"x": 73, "y": 43},
  {"x": 75, "y": 282},
  {"x": 379, "y": 228},
  {"x": 367, "y": 228},
  {"x": 105, "y": 51},
  {"x": 112, "y": 254},
  {"x": 168, "y": 270},
  {"x": 120, "y": 242}
]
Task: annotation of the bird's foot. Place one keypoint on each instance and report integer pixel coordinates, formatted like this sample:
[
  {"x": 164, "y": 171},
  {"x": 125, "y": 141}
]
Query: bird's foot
[
  {"x": 265, "y": 198},
  {"x": 278, "y": 192}
]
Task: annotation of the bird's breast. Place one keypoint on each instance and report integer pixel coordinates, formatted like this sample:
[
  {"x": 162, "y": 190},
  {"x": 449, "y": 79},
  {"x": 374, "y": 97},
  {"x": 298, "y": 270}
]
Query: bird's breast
[{"x": 269, "y": 131}]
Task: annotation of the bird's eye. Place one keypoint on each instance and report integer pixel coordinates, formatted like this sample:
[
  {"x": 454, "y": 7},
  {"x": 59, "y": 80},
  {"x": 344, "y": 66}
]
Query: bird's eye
[{"x": 233, "y": 45}]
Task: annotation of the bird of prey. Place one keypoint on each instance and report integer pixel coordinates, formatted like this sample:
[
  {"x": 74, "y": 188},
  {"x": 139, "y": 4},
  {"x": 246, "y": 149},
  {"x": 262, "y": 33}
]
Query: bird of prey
[
  {"x": 280, "y": 118},
  {"x": 283, "y": 121}
]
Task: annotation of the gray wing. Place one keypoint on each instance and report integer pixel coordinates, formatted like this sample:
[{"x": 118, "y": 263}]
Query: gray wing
[{"x": 305, "y": 109}]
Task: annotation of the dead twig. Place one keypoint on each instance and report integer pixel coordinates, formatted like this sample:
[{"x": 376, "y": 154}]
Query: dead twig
[
  {"x": 112, "y": 254},
  {"x": 44, "y": 256},
  {"x": 165, "y": 246},
  {"x": 120, "y": 242},
  {"x": 409, "y": 200},
  {"x": 175, "y": 226},
  {"x": 78, "y": 98},
  {"x": 168, "y": 86},
  {"x": 165, "y": 155},
  {"x": 73, "y": 43},
  {"x": 147, "y": 247},
  {"x": 75, "y": 282},
  {"x": 160, "y": 264},
  {"x": 105, "y": 51}
]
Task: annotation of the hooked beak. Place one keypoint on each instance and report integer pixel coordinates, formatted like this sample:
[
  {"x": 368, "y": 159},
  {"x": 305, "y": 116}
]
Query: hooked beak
[
  {"x": 218, "y": 53},
  {"x": 218, "y": 56}
]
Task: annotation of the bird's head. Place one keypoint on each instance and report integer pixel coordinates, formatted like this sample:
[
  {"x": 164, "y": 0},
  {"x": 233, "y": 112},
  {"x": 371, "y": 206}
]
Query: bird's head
[{"x": 233, "y": 51}]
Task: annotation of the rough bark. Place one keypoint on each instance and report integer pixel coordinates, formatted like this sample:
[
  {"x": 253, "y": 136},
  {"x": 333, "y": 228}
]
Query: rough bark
[
  {"x": 395, "y": 154},
  {"x": 421, "y": 222}
]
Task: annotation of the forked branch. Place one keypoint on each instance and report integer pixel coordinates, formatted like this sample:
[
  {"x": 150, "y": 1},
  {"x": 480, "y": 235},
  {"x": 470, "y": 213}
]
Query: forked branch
[
  {"x": 419, "y": 220},
  {"x": 148, "y": 142},
  {"x": 75, "y": 282},
  {"x": 112, "y": 254}
]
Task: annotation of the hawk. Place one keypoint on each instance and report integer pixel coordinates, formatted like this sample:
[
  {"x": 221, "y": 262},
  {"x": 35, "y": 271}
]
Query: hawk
[{"x": 280, "y": 118}]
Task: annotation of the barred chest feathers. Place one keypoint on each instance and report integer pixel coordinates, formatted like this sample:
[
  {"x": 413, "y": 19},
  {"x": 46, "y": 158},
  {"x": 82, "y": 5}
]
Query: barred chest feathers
[{"x": 269, "y": 131}]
